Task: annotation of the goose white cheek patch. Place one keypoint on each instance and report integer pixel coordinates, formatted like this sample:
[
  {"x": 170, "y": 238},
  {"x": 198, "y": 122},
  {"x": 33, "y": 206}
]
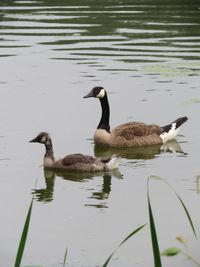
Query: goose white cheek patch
[
  {"x": 43, "y": 139},
  {"x": 101, "y": 94}
]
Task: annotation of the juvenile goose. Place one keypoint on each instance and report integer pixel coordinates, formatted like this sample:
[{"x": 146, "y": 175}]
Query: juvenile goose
[
  {"x": 73, "y": 162},
  {"x": 131, "y": 133}
]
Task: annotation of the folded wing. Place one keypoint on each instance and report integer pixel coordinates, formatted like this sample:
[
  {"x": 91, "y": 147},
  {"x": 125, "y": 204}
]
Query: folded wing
[
  {"x": 77, "y": 158},
  {"x": 131, "y": 130}
]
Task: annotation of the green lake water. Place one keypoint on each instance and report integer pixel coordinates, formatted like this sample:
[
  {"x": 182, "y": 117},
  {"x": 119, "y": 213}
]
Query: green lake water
[{"x": 147, "y": 56}]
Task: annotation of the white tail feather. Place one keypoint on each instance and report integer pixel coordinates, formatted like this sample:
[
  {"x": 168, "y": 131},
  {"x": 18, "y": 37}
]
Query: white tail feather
[
  {"x": 167, "y": 136},
  {"x": 113, "y": 163}
]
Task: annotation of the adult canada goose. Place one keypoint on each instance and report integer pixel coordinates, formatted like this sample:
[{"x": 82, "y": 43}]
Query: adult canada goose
[
  {"x": 131, "y": 133},
  {"x": 73, "y": 162}
]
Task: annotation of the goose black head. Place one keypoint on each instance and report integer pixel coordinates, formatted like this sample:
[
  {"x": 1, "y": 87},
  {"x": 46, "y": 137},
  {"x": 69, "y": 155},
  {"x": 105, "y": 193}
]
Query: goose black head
[
  {"x": 42, "y": 138},
  {"x": 97, "y": 92}
]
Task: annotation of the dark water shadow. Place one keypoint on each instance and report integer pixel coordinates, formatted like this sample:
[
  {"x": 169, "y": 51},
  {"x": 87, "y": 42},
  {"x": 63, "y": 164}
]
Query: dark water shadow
[
  {"x": 46, "y": 193},
  {"x": 144, "y": 152}
]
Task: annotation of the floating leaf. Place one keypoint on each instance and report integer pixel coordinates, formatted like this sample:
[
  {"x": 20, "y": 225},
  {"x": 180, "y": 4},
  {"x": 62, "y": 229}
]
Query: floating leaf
[
  {"x": 169, "y": 70},
  {"x": 171, "y": 252},
  {"x": 192, "y": 101}
]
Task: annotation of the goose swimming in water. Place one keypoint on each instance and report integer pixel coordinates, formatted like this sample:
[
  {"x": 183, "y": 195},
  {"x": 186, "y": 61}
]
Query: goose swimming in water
[
  {"x": 73, "y": 162},
  {"x": 130, "y": 133}
]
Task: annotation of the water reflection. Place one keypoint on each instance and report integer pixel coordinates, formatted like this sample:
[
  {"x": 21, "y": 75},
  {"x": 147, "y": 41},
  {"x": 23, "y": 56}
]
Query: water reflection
[
  {"x": 102, "y": 194},
  {"x": 94, "y": 32},
  {"x": 46, "y": 194},
  {"x": 146, "y": 152}
]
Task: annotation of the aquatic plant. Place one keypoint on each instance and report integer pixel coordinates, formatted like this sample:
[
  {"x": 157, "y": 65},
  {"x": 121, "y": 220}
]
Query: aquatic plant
[
  {"x": 155, "y": 246},
  {"x": 65, "y": 257},
  {"x": 129, "y": 236},
  {"x": 22, "y": 242},
  {"x": 173, "y": 251}
]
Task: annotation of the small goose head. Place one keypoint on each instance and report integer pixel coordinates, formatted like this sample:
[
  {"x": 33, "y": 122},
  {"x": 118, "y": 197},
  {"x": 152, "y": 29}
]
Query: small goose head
[
  {"x": 97, "y": 92},
  {"x": 42, "y": 138}
]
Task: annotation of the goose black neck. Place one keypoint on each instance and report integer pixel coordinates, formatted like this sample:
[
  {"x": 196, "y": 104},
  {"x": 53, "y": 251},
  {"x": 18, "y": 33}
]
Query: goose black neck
[
  {"x": 105, "y": 116},
  {"x": 49, "y": 150}
]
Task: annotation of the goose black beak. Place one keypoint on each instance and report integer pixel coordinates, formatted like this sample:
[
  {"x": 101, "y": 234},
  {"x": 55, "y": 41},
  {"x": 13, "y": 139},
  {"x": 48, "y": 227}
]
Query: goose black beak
[
  {"x": 34, "y": 140},
  {"x": 88, "y": 95}
]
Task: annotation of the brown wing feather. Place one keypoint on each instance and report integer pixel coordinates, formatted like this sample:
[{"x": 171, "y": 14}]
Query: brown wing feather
[
  {"x": 77, "y": 158},
  {"x": 136, "y": 129}
]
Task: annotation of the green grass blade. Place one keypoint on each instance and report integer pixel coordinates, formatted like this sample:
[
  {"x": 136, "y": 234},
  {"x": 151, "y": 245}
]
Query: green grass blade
[
  {"x": 130, "y": 235},
  {"x": 184, "y": 207},
  {"x": 65, "y": 257},
  {"x": 188, "y": 215},
  {"x": 23, "y": 237},
  {"x": 182, "y": 203},
  {"x": 154, "y": 240},
  {"x": 108, "y": 259}
]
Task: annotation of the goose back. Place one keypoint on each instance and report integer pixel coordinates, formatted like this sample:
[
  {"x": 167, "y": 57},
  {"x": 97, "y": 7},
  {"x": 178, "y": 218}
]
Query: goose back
[{"x": 80, "y": 162}]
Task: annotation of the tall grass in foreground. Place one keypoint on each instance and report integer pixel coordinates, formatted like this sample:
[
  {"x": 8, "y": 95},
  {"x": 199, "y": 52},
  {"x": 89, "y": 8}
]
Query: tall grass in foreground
[
  {"x": 130, "y": 235},
  {"x": 22, "y": 242},
  {"x": 155, "y": 246},
  {"x": 65, "y": 257},
  {"x": 154, "y": 240}
]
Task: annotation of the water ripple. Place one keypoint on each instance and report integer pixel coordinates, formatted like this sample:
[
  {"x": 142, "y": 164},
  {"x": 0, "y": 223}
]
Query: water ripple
[{"x": 130, "y": 33}]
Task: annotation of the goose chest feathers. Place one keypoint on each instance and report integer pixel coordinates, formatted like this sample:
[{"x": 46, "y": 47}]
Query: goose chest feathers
[
  {"x": 131, "y": 133},
  {"x": 73, "y": 162}
]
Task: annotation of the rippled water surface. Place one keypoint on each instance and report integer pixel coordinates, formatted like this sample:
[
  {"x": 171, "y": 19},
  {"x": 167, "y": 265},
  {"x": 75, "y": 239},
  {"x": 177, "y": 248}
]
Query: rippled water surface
[{"x": 52, "y": 53}]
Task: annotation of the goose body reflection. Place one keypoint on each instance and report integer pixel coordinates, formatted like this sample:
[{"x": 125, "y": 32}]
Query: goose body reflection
[
  {"x": 144, "y": 152},
  {"x": 73, "y": 162},
  {"x": 172, "y": 146},
  {"x": 46, "y": 194},
  {"x": 131, "y": 134},
  {"x": 80, "y": 176}
]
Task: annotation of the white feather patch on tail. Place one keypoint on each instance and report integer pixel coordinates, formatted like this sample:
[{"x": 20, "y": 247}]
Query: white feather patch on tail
[
  {"x": 113, "y": 163},
  {"x": 171, "y": 134}
]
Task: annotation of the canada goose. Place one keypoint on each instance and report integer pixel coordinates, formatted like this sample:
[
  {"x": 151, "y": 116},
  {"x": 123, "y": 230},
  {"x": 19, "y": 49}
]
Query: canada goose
[
  {"x": 131, "y": 133},
  {"x": 73, "y": 162}
]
